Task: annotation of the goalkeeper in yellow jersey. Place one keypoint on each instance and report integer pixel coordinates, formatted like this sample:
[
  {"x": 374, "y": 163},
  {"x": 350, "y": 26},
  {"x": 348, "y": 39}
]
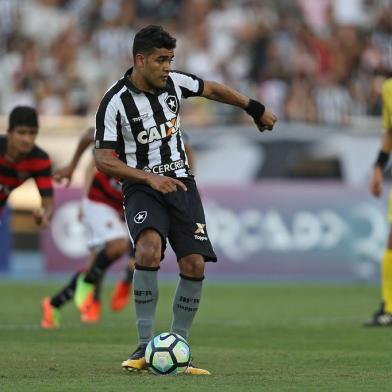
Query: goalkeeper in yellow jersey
[{"x": 383, "y": 317}]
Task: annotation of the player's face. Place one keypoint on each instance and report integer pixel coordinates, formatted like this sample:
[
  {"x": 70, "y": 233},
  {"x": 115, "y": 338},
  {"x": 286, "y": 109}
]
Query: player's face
[
  {"x": 22, "y": 138},
  {"x": 157, "y": 66}
]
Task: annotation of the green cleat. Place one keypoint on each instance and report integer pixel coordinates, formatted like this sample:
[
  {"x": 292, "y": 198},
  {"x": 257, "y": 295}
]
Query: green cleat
[{"x": 84, "y": 294}]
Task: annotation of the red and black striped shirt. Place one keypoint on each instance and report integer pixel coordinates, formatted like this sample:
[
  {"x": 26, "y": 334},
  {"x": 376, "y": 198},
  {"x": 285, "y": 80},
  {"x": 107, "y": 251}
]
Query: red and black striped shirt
[
  {"x": 35, "y": 165},
  {"x": 107, "y": 190}
]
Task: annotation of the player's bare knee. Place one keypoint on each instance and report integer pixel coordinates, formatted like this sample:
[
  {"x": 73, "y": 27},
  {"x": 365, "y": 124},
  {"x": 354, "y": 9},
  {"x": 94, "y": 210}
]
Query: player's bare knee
[
  {"x": 148, "y": 249},
  {"x": 116, "y": 248},
  {"x": 148, "y": 254},
  {"x": 192, "y": 266}
]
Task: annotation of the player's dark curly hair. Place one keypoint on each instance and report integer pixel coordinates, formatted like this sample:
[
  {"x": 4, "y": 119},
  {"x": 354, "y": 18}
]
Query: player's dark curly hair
[
  {"x": 151, "y": 37},
  {"x": 23, "y": 115}
]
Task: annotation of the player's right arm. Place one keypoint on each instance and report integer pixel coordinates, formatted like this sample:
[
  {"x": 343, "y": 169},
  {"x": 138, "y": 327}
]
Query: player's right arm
[
  {"x": 377, "y": 178},
  {"x": 107, "y": 162}
]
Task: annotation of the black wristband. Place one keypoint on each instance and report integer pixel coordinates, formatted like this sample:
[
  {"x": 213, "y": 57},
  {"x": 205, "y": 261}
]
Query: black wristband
[
  {"x": 382, "y": 159},
  {"x": 255, "y": 109}
]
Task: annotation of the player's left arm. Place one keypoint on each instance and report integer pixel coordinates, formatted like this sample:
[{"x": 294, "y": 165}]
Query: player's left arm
[{"x": 263, "y": 118}]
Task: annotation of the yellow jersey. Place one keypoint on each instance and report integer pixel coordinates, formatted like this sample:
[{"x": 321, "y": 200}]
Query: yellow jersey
[{"x": 387, "y": 104}]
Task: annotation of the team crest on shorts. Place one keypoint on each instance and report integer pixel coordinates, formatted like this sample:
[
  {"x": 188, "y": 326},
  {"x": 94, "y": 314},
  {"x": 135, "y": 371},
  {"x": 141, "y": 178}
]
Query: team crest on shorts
[
  {"x": 140, "y": 217},
  {"x": 172, "y": 103}
]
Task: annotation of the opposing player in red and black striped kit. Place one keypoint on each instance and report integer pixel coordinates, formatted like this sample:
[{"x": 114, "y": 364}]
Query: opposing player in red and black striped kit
[
  {"x": 21, "y": 159},
  {"x": 139, "y": 118},
  {"x": 107, "y": 238}
]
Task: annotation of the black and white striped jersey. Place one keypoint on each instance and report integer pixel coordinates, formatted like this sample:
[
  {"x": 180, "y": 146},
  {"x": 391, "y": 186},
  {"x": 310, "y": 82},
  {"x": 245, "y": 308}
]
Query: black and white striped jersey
[{"x": 144, "y": 128}]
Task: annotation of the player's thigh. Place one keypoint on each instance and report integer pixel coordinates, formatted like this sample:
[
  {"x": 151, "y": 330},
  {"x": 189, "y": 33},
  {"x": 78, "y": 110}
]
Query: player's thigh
[
  {"x": 188, "y": 230},
  {"x": 148, "y": 221},
  {"x": 102, "y": 223}
]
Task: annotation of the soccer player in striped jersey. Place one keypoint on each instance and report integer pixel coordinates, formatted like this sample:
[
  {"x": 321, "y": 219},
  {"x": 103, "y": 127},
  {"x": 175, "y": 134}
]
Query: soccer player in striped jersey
[
  {"x": 99, "y": 188},
  {"x": 383, "y": 317},
  {"x": 103, "y": 216},
  {"x": 21, "y": 159},
  {"x": 139, "y": 118}
]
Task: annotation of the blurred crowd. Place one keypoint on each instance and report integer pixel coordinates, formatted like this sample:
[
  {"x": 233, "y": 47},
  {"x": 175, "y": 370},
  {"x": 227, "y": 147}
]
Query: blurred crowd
[{"x": 317, "y": 61}]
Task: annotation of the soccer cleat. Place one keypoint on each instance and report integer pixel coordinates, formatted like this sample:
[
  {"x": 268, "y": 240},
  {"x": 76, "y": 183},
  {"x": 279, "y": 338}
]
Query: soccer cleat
[
  {"x": 136, "y": 361},
  {"x": 121, "y": 295},
  {"x": 192, "y": 370},
  {"x": 92, "y": 314},
  {"x": 379, "y": 320},
  {"x": 381, "y": 309},
  {"x": 84, "y": 294},
  {"x": 374, "y": 320},
  {"x": 50, "y": 315}
]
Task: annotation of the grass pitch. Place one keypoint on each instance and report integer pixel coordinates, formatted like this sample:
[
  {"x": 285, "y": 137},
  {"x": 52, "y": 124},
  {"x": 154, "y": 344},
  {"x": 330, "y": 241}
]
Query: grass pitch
[{"x": 251, "y": 337}]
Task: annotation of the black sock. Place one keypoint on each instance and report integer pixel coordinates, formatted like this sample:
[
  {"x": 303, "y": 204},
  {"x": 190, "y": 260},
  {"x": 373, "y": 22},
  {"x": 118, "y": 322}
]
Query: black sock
[
  {"x": 100, "y": 265},
  {"x": 66, "y": 294},
  {"x": 128, "y": 278},
  {"x": 98, "y": 290}
]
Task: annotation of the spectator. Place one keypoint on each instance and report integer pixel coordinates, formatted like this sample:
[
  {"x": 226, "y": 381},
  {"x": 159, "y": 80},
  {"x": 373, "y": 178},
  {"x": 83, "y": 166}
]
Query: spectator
[
  {"x": 57, "y": 54},
  {"x": 333, "y": 102},
  {"x": 300, "y": 105}
]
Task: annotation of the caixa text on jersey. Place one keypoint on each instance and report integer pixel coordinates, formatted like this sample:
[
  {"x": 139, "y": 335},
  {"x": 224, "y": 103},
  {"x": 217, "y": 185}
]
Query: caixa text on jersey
[{"x": 157, "y": 133}]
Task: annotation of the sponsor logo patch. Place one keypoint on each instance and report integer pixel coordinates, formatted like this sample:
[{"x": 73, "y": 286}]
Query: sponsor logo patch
[
  {"x": 200, "y": 228},
  {"x": 142, "y": 117},
  {"x": 164, "y": 130},
  {"x": 165, "y": 167},
  {"x": 199, "y": 233}
]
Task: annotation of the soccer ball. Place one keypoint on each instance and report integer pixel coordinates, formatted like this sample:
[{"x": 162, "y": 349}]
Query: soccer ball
[{"x": 168, "y": 353}]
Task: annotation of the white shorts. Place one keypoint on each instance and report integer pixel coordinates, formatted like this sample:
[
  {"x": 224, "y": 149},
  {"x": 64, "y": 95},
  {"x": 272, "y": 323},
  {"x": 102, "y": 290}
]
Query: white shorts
[{"x": 102, "y": 223}]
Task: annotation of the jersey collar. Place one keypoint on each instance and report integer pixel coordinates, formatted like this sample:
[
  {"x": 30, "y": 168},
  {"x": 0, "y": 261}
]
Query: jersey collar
[{"x": 136, "y": 90}]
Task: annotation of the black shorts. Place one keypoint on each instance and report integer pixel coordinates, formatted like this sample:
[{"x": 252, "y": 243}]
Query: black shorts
[{"x": 177, "y": 216}]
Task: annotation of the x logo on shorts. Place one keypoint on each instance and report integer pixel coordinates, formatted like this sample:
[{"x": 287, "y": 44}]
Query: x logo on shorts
[{"x": 200, "y": 228}]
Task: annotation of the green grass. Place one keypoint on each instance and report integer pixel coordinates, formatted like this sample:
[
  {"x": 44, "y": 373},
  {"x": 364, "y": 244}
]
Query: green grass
[{"x": 252, "y": 338}]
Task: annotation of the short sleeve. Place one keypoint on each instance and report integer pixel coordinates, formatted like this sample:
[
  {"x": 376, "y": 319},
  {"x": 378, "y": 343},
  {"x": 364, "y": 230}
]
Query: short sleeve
[
  {"x": 106, "y": 121},
  {"x": 190, "y": 85}
]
